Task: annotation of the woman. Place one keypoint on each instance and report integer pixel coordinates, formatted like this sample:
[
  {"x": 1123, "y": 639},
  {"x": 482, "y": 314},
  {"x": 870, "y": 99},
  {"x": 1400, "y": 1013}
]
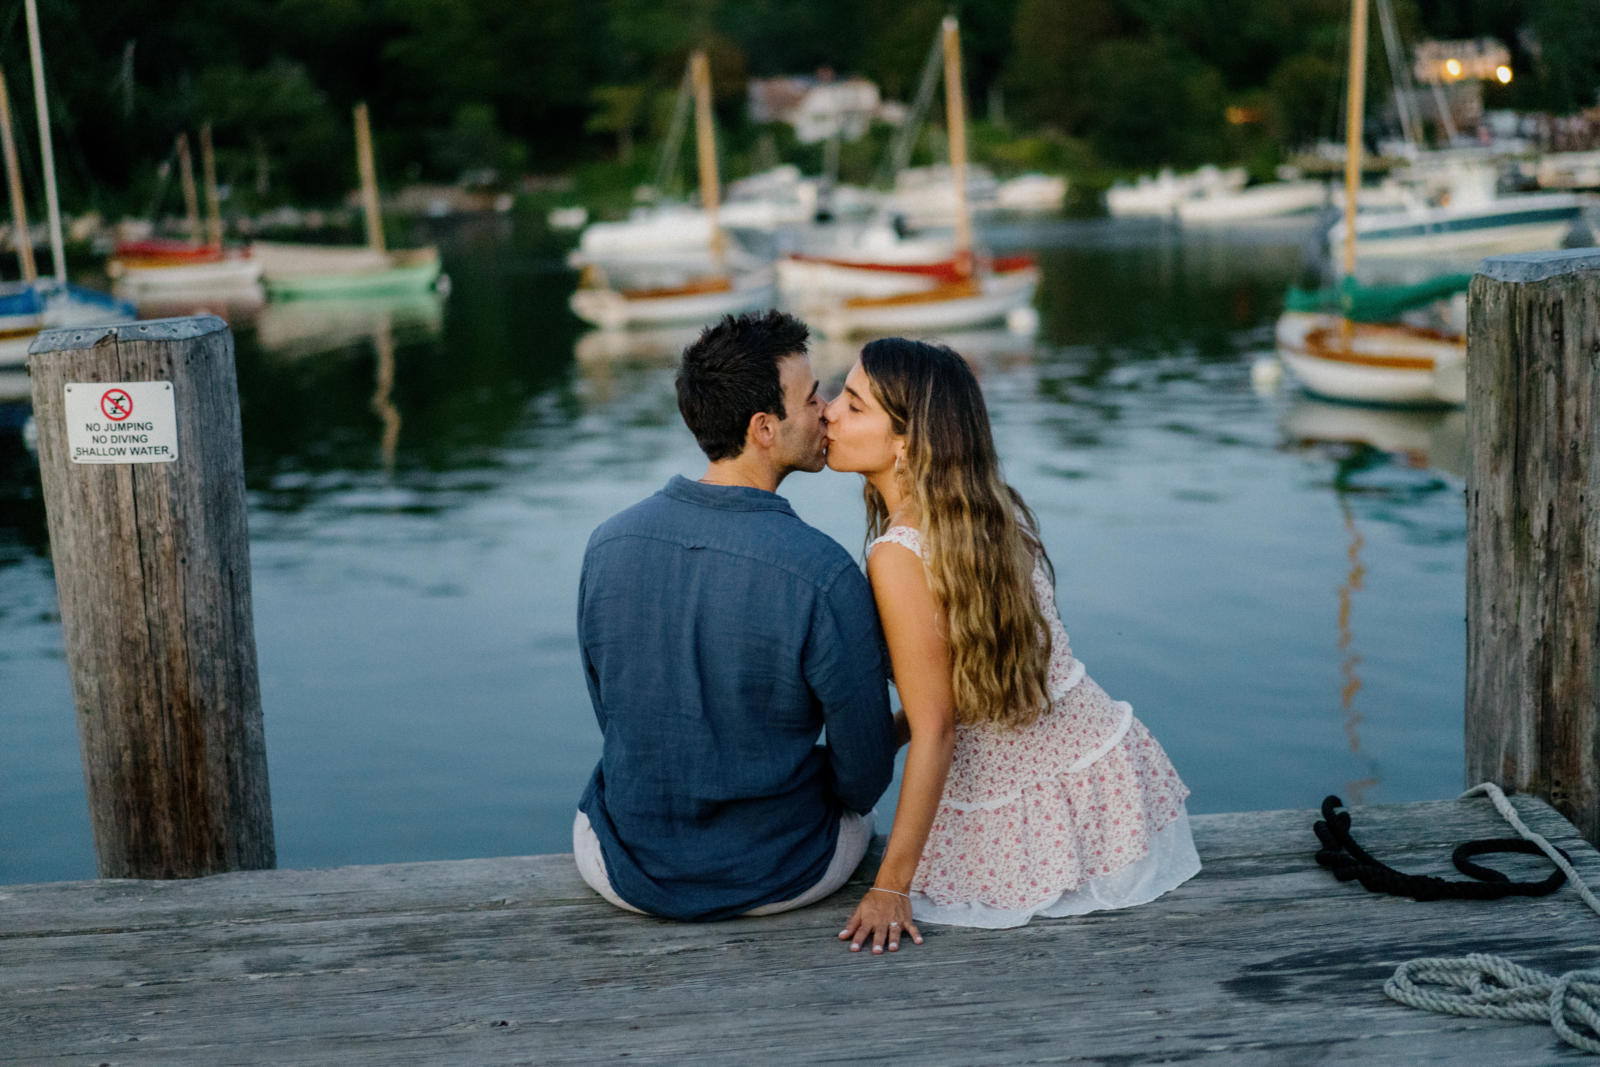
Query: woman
[{"x": 1027, "y": 791}]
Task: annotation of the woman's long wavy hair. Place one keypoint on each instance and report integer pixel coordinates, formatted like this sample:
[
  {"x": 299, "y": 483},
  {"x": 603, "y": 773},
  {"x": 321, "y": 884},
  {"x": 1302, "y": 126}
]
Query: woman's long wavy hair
[{"x": 979, "y": 540}]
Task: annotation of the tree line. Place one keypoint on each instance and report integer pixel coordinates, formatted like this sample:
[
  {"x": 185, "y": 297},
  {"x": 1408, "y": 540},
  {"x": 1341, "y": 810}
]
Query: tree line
[{"x": 506, "y": 87}]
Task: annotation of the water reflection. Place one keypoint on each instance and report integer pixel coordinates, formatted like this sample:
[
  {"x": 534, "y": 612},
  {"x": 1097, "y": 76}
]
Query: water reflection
[
  {"x": 1421, "y": 438},
  {"x": 1385, "y": 462},
  {"x": 236, "y": 305},
  {"x": 294, "y": 329},
  {"x": 1354, "y": 790},
  {"x": 422, "y": 480}
]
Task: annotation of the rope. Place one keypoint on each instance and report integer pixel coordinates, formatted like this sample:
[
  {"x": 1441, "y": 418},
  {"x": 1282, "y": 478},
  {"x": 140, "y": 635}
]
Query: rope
[
  {"x": 1346, "y": 859},
  {"x": 1493, "y": 987},
  {"x": 1557, "y": 856}
]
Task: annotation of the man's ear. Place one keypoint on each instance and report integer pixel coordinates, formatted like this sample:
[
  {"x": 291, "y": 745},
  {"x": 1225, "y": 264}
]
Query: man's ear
[{"x": 763, "y": 429}]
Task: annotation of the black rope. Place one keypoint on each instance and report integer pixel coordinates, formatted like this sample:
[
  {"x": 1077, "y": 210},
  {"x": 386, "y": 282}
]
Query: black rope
[{"x": 1348, "y": 860}]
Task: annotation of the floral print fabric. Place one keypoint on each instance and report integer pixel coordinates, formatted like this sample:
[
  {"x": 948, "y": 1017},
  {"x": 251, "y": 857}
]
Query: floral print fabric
[{"x": 1030, "y": 815}]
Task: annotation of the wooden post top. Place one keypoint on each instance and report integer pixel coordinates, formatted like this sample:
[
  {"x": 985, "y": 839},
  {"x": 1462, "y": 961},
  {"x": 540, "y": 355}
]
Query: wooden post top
[
  {"x": 1539, "y": 266},
  {"x": 78, "y": 338}
]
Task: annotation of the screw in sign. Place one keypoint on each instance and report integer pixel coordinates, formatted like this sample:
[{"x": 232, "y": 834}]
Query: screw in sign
[{"x": 116, "y": 405}]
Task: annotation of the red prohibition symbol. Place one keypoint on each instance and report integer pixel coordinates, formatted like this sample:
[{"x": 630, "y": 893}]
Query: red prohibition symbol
[{"x": 117, "y": 405}]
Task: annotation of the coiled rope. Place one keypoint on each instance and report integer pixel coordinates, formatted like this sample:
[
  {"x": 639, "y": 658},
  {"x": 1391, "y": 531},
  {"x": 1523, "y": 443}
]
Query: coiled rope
[{"x": 1480, "y": 985}]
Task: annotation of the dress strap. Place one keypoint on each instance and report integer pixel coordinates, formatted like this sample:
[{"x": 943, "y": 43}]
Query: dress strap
[{"x": 904, "y": 536}]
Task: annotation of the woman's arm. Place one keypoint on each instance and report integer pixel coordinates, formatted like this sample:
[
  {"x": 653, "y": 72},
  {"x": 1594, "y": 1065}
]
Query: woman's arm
[{"x": 914, "y": 630}]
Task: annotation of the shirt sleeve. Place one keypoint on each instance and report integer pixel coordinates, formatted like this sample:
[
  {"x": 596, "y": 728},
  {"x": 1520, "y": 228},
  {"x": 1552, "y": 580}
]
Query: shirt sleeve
[
  {"x": 591, "y": 677},
  {"x": 843, "y": 665}
]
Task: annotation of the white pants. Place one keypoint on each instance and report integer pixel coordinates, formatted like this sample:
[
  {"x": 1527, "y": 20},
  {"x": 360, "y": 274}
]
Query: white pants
[{"x": 855, "y": 834}]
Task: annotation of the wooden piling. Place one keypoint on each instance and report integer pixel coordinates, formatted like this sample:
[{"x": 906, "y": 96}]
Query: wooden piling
[
  {"x": 153, "y": 573},
  {"x": 1533, "y": 529}
]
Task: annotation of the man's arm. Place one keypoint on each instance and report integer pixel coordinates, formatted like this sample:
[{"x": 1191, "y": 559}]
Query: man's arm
[
  {"x": 844, "y": 668},
  {"x": 590, "y": 677}
]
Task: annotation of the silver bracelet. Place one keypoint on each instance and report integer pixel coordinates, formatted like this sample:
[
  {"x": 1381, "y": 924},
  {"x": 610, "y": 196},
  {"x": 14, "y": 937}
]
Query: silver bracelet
[{"x": 896, "y": 892}]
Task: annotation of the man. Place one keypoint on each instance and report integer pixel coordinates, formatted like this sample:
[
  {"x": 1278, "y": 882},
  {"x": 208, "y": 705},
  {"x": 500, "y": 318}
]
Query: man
[{"x": 720, "y": 635}]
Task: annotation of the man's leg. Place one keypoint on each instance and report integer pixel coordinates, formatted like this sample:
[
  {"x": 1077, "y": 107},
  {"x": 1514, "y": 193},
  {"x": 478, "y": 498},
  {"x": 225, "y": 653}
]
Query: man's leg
[
  {"x": 855, "y": 834},
  {"x": 592, "y": 865}
]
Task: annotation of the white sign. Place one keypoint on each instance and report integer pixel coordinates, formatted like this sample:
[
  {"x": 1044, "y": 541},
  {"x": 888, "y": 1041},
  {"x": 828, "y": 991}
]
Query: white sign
[{"x": 121, "y": 422}]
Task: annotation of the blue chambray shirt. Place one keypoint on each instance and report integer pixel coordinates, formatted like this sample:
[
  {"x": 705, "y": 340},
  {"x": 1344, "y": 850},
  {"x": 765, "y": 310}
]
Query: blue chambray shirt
[{"x": 720, "y": 634}]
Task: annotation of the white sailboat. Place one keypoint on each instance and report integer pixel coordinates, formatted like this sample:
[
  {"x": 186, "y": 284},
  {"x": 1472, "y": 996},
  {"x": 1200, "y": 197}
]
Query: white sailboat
[
  {"x": 1382, "y": 363},
  {"x": 1158, "y": 195},
  {"x": 699, "y": 299},
  {"x": 968, "y": 291}
]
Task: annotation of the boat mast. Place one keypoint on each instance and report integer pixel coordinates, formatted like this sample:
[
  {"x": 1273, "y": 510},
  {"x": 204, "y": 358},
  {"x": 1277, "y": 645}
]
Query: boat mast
[
  {"x": 1356, "y": 106},
  {"x": 22, "y": 237},
  {"x": 706, "y": 147},
  {"x": 46, "y": 152},
  {"x": 956, "y": 124},
  {"x": 191, "y": 200},
  {"x": 369, "y": 180},
  {"x": 208, "y": 170}
]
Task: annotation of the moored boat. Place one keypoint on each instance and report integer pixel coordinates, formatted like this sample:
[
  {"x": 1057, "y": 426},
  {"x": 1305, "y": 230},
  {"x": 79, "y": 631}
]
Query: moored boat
[
  {"x": 1267, "y": 200},
  {"x": 1351, "y": 343},
  {"x": 291, "y": 271},
  {"x": 951, "y": 293},
  {"x": 693, "y": 298},
  {"x": 979, "y": 300},
  {"x": 207, "y": 269},
  {"x": 700, "y": 300},
  {"x": 1524, "y": 222},
  {"x": 304, "y": 271},
  {"x": 1373, "y": 363}
]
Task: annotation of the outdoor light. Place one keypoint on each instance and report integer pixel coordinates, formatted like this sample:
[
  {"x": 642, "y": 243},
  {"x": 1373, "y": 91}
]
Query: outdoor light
[
  {"x": 1452, "y": 67},
  {"x": 1503, "y": 73}
]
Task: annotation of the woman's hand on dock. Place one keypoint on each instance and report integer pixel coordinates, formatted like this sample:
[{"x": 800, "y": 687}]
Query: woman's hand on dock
[{"x": 881, "y": 917}]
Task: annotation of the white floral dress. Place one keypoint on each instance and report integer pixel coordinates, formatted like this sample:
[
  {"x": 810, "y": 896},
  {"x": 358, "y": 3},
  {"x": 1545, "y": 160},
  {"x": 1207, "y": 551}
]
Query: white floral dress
[{"x": 1079, "y": 812}]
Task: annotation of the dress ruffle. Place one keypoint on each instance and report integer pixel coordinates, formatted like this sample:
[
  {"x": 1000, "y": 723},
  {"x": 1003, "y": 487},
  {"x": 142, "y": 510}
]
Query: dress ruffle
[
  {"x": 1078, "y": 811},
  {"x": 1056, "y": 833}
]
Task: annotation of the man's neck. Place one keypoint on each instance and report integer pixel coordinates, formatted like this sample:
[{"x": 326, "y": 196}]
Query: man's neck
[{"x": 743, "y": 470}]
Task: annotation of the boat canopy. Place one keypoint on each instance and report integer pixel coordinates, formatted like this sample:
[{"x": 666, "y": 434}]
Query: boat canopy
[{"x": 1375, "y": 303}]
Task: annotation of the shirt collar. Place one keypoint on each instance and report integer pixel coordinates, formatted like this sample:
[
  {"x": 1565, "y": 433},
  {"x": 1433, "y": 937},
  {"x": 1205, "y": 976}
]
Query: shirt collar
[{"x": 725, "y": 497}]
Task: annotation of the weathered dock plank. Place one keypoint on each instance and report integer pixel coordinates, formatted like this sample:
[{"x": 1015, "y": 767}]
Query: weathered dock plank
[{"x": 1261, "y": 958}]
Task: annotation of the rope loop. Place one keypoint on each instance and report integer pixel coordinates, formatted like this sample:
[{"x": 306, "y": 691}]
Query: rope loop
[
  {"x": 1348, "y": 860},
  {"x": 1492, "y": 987},
  {"x": 1478, "y": 985}
]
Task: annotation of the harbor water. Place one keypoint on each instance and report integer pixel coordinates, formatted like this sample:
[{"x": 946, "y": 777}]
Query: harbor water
[{"x": 1276, "y": 584}]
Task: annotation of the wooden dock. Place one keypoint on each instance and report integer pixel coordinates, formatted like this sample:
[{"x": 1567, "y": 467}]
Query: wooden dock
[{"x": 1264, "y": 958}]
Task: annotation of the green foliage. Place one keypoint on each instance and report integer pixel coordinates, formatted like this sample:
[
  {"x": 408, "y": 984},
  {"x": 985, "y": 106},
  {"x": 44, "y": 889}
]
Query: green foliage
[
  {"x": 459, "y": 85},
  {"x": 1155, "y": 105},
  {"x": 1302, "y": 108}
]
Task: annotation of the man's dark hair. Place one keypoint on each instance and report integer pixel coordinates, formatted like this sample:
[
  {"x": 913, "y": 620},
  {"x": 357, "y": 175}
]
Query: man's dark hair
[{"x": 731, "y": 372}]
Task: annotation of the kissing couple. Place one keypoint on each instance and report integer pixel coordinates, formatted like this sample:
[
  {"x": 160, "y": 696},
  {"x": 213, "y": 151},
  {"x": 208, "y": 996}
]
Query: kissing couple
[{"x": 739, "y": 660}]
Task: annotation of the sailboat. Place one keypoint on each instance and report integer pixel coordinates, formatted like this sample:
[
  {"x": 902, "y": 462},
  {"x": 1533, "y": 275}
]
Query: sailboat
[
  {"x": 888, "y": 256},
  {"x": 292, "y": 271},
  {"x": 971, "y": 291},
  {"x": 1329, "y": 348},
  {"x": 35, "y": 303},
  {"x": 170, "y": 269},
  {"x": 700, "y": 299}
]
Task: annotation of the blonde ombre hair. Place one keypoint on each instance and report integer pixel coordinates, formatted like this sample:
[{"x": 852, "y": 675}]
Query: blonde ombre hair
[{"x": 979, "y": 540}]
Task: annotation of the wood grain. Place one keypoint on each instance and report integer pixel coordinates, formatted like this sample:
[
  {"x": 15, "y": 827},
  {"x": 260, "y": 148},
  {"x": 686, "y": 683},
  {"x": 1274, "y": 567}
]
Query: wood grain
[
  {"x": 1533, "y": 530},
  {"x": 1262, "y": 958},
  {"x": 153, "y": 574}
]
